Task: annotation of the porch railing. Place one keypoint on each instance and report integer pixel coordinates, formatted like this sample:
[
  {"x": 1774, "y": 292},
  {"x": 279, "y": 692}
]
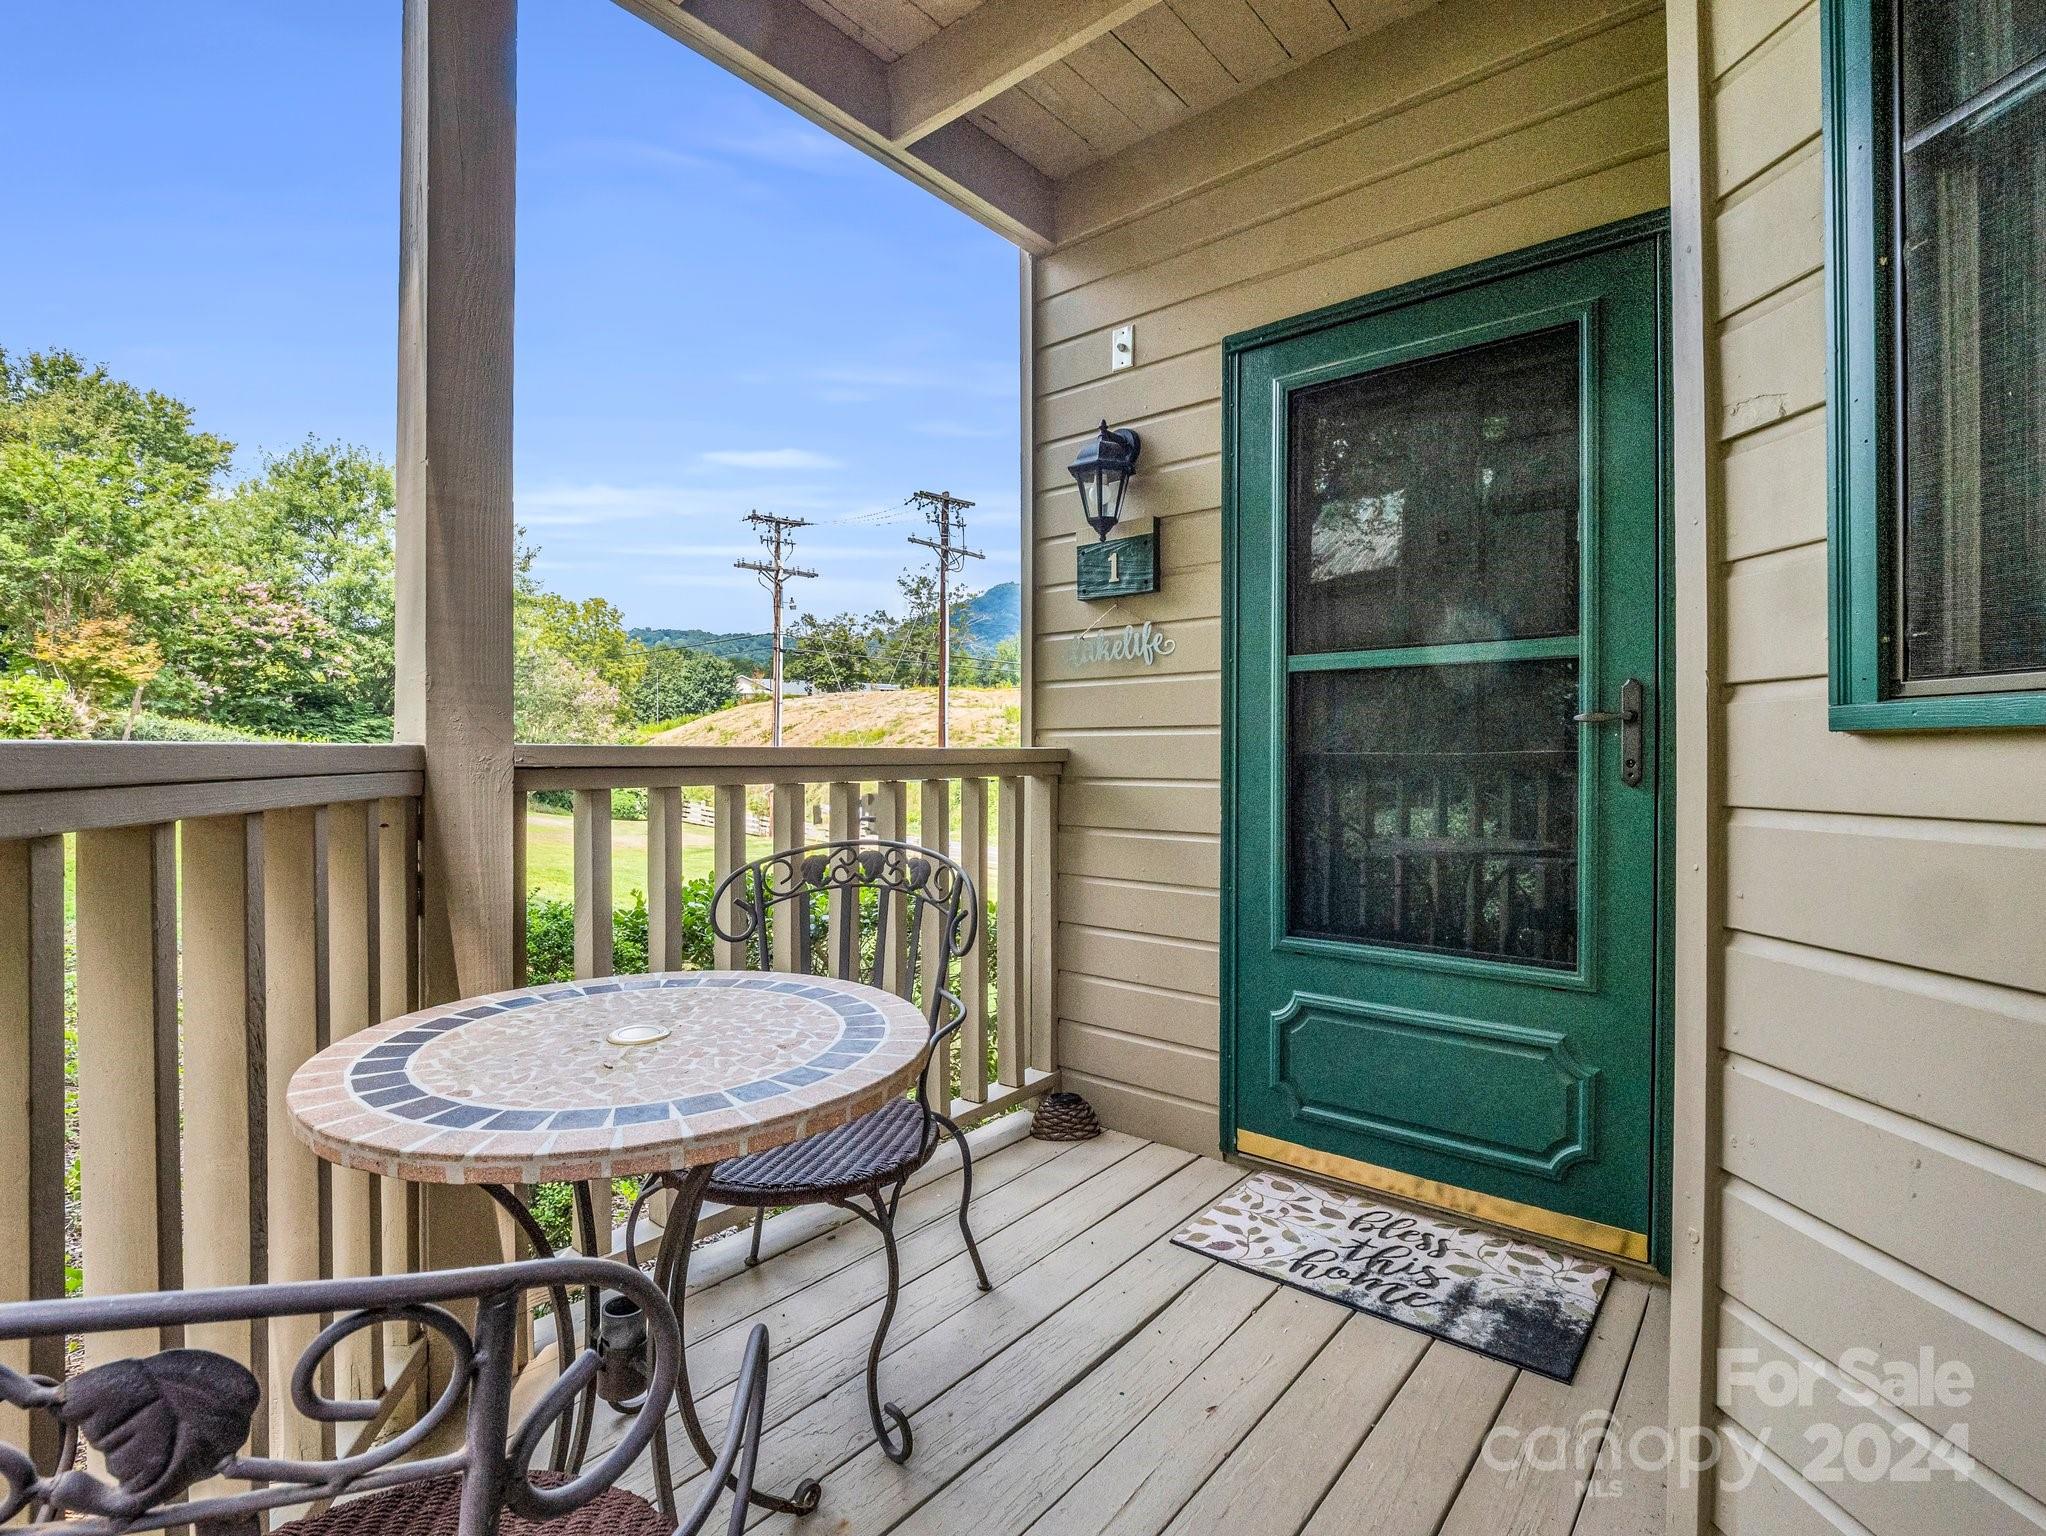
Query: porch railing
[
  {"x": 181, "y": 925},
  {"x": 995, "y": 810}
]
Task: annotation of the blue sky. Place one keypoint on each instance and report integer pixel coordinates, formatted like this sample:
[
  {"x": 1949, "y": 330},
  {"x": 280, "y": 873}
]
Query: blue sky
[{"x": 720, "y": 306}]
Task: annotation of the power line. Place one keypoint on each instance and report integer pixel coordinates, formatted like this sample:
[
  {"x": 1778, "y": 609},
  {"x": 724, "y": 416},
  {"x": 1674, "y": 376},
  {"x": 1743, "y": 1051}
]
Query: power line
[
  {"x": 946, "y": 513},
  {"x": 777, "y": 536}
]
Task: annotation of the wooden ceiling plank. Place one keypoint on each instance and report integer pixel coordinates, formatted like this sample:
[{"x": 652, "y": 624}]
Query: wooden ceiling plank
[
  {"x": 1074, "y": 101},
  {"x": 995, "y": 46},
  {"x": 1025, "y": 126},
  {"x": 1164, "y": 42},
  {"x": 1108, "y": 65},
  {"x": 803, "y": 60},
  {"x": 1308, "y": 28},
  {"x": 1363, "y": 16},
  {"x": 1234, "y": 33}
]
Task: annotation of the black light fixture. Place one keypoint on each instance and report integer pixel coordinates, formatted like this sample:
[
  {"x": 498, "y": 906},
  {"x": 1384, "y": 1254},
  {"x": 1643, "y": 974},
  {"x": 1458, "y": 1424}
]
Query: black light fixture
[{"x": 1102, "y": 469}]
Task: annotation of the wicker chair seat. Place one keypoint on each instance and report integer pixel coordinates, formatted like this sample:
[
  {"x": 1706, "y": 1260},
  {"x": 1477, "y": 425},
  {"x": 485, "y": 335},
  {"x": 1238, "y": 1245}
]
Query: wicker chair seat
[
  {"x": 875, "y": 1149},
  {"x": 434, "y": 1508}
]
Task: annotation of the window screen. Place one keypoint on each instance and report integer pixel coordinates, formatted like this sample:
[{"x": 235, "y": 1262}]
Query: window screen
[{"x": 1969, "y": 140}]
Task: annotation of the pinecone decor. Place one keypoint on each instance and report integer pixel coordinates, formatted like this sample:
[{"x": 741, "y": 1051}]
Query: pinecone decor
[{"x": 1064, "y": 1117}]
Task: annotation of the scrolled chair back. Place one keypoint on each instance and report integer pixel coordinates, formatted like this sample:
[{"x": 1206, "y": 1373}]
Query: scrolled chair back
[
  {"x": 925, "y": 895},
  {"x": 164, "y": 1424}
]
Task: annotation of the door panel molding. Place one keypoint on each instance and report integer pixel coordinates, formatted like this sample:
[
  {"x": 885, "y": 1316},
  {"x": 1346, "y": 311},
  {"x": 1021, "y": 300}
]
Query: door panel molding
[{"x": 1554, "y": 1087}]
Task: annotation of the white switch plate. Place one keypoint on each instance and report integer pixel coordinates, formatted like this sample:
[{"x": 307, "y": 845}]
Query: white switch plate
[{"x": 1122, "y": 347}]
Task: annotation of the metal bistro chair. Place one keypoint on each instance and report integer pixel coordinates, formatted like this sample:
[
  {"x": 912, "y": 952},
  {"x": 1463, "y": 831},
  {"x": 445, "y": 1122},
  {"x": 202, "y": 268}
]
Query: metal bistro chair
[
  {"x": 861, "y": 1167},
  {"x": 167, "y": 1422}
]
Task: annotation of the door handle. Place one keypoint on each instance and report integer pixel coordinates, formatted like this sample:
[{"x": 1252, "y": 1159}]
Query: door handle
[{"x": 1628, "y": 716}]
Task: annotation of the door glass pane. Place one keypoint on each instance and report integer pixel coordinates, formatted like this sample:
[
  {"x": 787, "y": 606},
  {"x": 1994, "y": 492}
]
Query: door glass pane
[
  {"x": 1437, "y": 501},
  {"x": 1435, "y": 808},
  {"x": 1973, "y": 541},
  {"x": 1954, "y": 50}
]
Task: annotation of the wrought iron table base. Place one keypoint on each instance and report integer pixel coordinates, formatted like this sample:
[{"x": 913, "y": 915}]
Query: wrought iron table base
[
  {"x": 572, "y": 1439},
  {"x": 671, "y": 1274}
]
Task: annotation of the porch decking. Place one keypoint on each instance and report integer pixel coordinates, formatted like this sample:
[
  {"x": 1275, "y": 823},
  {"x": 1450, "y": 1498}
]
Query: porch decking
[{"x": 1112, "y": 1383}]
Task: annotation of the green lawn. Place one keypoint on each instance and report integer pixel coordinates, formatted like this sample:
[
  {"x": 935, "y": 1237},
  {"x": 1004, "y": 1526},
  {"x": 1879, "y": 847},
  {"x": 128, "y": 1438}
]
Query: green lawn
[{"x": 550, "y": 855}]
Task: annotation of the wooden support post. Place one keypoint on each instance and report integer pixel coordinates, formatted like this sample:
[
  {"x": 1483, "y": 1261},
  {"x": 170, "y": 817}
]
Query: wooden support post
[
  {"x": 1012, "y": 981},
  {"x": 455, "y": 529},
  {"x": 973, "y": 970},
  {"x": 291, "y": 1209},
  {"x": 891, "y": 825},
  {"x": 843, "y": 810},
  {"x": 32, "y": 1109},
  {"x": 593, "y": 922},
  {"x": 728, "y": 854},
  {"x": 1040, "y": 860},
  {"x": 664, "y": 878},
  {"x": 116, "y": 1075},
  {"x": 790, "y": 921},
  {"x": 454, "y": 472}
]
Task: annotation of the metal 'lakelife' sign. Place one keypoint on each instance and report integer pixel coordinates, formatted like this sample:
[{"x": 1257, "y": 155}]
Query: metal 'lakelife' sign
[{"x": 1143, "y": 643}]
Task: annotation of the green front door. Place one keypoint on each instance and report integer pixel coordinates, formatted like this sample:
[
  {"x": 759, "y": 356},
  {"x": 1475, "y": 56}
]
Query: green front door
[{"x": 1443, "y": 870}]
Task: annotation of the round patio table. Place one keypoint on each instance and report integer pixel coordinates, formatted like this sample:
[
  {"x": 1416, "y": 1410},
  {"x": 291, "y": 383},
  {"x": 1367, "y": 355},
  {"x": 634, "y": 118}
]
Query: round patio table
[{"x": 624, "y": 1075}]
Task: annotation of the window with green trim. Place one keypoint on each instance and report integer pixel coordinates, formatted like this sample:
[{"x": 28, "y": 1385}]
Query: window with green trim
[{"x": 1936, "y": 272}]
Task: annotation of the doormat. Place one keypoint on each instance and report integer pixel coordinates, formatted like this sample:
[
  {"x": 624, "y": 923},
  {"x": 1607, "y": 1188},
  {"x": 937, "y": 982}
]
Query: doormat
[{"x": 1501, "y": 1296}]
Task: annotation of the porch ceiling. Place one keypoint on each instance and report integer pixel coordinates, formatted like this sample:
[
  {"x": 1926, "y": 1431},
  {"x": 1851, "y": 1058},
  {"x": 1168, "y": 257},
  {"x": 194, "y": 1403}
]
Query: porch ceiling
[{"x": 991, "y": 103}]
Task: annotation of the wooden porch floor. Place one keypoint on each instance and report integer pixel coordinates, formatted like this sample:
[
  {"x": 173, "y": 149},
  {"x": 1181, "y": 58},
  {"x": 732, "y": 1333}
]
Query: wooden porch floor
[{"x": 1114, "y": 1383}]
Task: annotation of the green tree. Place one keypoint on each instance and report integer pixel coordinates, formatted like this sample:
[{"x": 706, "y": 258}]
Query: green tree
[
  {"x": 677, "y": 681},
  {"x": 591, "y": 633},
  {"x": 835, "y": 653},
  {"x": 104, "y": 505},
  {"x": 321, "y": 521}
]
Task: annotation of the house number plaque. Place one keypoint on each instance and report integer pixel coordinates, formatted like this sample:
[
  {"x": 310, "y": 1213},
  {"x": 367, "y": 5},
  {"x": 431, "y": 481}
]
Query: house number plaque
[{"x": 1124, "y": 567}]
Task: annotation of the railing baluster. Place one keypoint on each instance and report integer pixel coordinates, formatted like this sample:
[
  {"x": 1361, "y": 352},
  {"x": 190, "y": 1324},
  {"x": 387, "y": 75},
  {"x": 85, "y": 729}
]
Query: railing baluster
[
  {"x": 934, "y": 831},
  {"x": 973, "y": 969},
  {"x": 521, "y": 809},
  {"x": 351, "y": 948},
  {"x": 396, "y": 990},
  {"x": 222, "y": 1011},
  {"x": 728, "y": 854},
  {"x": 843, "y": 807},
  {"x": 32, "y": 1108},
  {"x": 593, "y": 930},
  {"x": 790, "y": 920},
  {"x": 1040, "y": 836},
  {"x": 116, "y": 971},
  {"x": 293, "y": 893},
  {"x": 664, "y": 879},
  {"x": 1012, "y": 980},
  {"x": 891, "y": 825}
]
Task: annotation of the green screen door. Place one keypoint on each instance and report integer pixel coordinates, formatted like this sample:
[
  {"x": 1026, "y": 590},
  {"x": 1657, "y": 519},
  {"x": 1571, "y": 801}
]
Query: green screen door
[{"x": 1443, "y": 798}]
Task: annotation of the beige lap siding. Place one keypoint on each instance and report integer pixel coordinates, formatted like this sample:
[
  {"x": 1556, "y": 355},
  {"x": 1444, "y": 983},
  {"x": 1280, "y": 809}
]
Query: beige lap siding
[
  {"x": 1464, "y": 131},
  {"x": 1883, "y": 1157}
]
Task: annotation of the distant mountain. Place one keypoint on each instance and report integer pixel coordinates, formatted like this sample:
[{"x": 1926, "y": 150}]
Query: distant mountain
[
  {"x": 746, "y": 650},
  {"x": 984, "y": 622},
  {"x": 978, "y": 626}
]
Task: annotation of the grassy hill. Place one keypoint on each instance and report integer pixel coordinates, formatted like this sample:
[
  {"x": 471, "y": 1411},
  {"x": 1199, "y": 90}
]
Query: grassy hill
[
  {"x": 750, "y": 652},
  {"x": 979, "y": 625},
  {"x": 981, "y": 717}
]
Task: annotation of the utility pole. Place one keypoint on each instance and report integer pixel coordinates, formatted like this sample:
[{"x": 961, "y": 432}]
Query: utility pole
[
  {"x": 777, "y": 536},
  {"x": 947, "y": 515}
]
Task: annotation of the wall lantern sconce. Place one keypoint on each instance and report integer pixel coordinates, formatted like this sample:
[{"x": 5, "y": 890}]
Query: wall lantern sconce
[
  {"x": 1126, "y": 566},
  {"x": 1101, "y": 469}
]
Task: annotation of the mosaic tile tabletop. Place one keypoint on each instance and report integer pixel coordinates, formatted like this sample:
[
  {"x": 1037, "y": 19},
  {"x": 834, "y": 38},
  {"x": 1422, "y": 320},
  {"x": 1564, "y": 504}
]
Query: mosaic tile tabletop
[{"x": 562, "y": 1082}]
